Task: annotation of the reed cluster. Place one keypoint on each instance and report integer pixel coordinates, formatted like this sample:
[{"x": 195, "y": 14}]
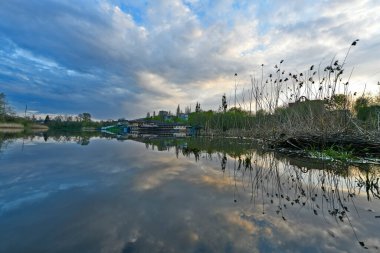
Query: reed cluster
[{"x": 281, "y": 104}]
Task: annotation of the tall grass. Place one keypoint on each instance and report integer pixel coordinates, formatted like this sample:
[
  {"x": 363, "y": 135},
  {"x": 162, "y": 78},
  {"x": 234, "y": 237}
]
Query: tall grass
[{"x": 283, "y": 103}]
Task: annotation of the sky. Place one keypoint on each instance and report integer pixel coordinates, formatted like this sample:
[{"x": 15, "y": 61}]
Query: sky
[{"x": 122, "y": 59}]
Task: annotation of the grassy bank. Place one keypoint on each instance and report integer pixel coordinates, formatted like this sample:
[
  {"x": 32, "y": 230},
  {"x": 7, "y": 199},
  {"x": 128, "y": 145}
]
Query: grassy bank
[
  {"x": 310, "y": 109},
  {"x": 22, "y": 127}
]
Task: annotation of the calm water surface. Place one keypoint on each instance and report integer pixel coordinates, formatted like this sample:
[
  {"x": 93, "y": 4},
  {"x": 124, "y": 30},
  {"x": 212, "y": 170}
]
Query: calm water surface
[{"x": 69, "y": 194}]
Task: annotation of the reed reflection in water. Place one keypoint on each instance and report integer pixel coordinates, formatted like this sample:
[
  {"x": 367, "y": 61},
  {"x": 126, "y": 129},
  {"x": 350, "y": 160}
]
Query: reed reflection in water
[{"x": 289, "y": 186}]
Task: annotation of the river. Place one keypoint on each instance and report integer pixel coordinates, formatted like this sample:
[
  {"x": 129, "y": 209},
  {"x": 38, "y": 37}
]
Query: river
[{"x": 97, "y": 194}]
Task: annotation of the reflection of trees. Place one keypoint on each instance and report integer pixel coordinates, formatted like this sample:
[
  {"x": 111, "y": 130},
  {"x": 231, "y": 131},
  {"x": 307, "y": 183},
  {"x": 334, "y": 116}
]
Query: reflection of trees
[
  {"x": 281, "y": 185},
  {"x": 82, "y": 138},
  {"x": 3, "y": 144},
  {"x": 285, "y": 181},
  {"x": 6, "y": 139},
  {"x": 188, "y": 151},
  {"x": 224, "y": 162},
  {"x": 285, "y": 184},
  {"x": 369, "y": 180},
  {"x": 230, "y": 146}
]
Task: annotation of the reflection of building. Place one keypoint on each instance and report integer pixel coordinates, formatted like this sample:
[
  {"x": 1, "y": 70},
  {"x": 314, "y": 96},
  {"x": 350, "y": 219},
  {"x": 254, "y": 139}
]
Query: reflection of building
[
  {"x": 144, "y": 127},
  {"x": 183, "y": 134}
]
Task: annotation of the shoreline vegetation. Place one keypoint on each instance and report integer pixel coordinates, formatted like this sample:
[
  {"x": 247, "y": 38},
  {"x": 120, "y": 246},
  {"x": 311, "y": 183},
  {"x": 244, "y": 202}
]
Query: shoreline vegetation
[
  {"x": 311, "y": 111},
  {"x": 300, "y": 111}
]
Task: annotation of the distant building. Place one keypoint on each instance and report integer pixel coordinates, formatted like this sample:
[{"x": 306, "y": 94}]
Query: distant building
[
  {"x": 168, "y": 117},
  {"x": 144, "y": 128},
  {"x": 302, "y": 101},
  {"x": 184, "y": 116},
  {"x": 163, "y": 113}
]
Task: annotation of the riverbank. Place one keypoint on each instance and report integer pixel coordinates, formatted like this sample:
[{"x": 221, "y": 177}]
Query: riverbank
[
  {"x": 342, "y": 146},
  {"x": 354, "y": 145},
  {"x": 17, "y": 127}
]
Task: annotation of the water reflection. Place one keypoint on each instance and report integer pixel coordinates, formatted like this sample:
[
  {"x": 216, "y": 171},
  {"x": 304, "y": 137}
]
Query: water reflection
[
  {"x": 194, "y": 195},
  {"x": 287, "y": 184},
  {"x": 82, "y": 138}
]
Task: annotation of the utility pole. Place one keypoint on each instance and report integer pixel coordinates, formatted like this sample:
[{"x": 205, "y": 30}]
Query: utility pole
[{"x": 235, "y": 88}]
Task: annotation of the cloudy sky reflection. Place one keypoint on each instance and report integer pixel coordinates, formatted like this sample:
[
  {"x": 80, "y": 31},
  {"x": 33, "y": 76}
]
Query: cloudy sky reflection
[{"x": 112, "y": 196}]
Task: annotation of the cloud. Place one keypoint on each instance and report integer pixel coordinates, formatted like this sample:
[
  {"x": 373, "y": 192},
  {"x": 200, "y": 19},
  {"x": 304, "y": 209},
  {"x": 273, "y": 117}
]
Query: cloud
[{"x": 120, "y": 59}]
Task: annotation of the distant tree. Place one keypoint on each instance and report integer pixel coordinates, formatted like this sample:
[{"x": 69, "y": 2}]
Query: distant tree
[
  {"x": 366, "y": 108},
  {"x": 86, "y": 117},
  {"x": 339, "y": 102},
  {"x": 187, "y": 110},
  {"x": 224, "y": 103},
  {"x": 3, "y": 105},
  {"x": 58, "y": 118},
  {"x": 369, "y": 113},
  {"x": 4, "y": 108},
  {"x": 236, "y": 110},
  {"x": 80, "y": 117},
  {"x": 198, "y": 107},
  {"x": 377, "y": 99},
  {"x": 178, "y": 111},
  {"x": 261, "y": 113},
  {"x": 361, "y": 102}
]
